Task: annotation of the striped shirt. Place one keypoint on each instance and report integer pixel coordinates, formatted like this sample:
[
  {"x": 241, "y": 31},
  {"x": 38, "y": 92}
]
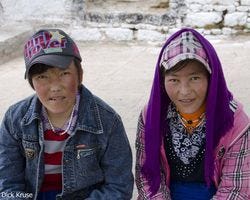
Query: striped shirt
[
  {"x": 53, "y": 148},
  {"x": 54, "y": 144}
]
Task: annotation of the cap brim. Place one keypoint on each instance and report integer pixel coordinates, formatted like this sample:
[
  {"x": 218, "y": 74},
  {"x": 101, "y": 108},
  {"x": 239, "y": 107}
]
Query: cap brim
[{"x": 52, "y": 60}]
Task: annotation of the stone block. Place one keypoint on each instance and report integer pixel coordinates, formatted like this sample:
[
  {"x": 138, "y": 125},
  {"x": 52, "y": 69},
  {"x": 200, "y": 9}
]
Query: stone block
[
  {"x": 226, "y": 31},
  {"x": 248, "y": 25},
  {"x": 235, "y": 19},
  {"x": 195, "y": 7},
  {"x": 152, "y": 19},
  {"x": 118, "y": 34},
  {"x": 173, "y": 5},
  {"x": 243, "y": 8},
  {"x": 229, "y": 8},
  {"x": 208, "y": 8},
  {"x": 86, "y": 34},
  {"x": 216, "y": 31},
  {"x": 149, "y": 35},
  {"x": 203, "y": 2},
  {"x": 207, "y": 32},
  {"x": 211, "y": 2},
  {"x": 202, "y": 19},
  {"x": 220, "y": 2},
  {"x": 245, "y": 2}
]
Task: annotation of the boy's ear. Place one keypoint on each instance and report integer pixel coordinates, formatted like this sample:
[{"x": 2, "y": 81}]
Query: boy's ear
[{"x": 80, "y": 76}]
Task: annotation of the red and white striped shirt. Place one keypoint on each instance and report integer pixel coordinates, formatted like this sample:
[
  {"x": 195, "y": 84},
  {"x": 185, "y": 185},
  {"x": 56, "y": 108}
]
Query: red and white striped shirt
[
  {"x": 54, "y": 144},
  {"x": 53, "y": 151}
]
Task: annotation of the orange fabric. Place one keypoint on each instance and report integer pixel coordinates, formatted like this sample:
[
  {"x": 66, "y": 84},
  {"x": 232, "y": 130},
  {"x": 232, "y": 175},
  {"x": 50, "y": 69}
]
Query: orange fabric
[{"x": 194, "y": 117}]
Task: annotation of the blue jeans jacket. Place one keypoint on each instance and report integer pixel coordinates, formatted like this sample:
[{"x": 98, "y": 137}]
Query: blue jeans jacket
[{"x": 102, "y": 170}]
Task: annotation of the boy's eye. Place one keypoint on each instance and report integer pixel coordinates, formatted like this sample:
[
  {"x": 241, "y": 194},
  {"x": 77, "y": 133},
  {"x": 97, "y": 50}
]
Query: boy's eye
[
  {"x": 65, "y": 73},
  {"x": 41, "y": 76},
  {"x": 172, "y": 80}
]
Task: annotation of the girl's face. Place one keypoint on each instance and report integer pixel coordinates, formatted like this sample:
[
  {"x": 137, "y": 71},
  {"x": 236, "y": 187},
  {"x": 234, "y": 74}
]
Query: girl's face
[
  {"x": 187, "y": 87},
  {"x": 57, "y": 88}
]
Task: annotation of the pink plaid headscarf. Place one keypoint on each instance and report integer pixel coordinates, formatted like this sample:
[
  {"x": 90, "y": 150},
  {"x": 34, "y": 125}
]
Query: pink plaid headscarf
[{"x": 183, "y": 47}]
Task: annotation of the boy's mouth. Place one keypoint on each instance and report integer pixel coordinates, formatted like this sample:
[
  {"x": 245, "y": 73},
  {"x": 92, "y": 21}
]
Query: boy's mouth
[{"x": 57, "y": 98}]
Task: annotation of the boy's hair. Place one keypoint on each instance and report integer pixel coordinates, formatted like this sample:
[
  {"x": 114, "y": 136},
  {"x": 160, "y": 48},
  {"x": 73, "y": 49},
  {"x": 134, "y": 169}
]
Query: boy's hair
[{"x": 41, "y": 68}]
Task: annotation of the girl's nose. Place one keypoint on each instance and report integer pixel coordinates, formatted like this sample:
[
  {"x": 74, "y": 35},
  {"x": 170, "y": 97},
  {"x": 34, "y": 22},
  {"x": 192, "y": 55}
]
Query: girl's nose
[{"x": 184, "y": 89}]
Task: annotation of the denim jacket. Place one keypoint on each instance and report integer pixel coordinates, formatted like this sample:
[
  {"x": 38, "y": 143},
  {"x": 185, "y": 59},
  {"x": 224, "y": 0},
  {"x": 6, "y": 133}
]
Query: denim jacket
[{"x": 100, "y": 170}]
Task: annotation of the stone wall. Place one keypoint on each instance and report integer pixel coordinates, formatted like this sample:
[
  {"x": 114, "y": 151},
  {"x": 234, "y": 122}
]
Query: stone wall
[
  {"x": 1, "y": 14},
  {"x": 126, "y": 20},
  {"x": 37, "y": 11},
  {"x": 218, "y": 17},
  {"x": 129, "y": 5}
]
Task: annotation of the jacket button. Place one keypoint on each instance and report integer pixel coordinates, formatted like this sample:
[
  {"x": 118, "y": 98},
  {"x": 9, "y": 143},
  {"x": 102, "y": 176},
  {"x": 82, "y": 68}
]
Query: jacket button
[{"x": 67, "y": 187}]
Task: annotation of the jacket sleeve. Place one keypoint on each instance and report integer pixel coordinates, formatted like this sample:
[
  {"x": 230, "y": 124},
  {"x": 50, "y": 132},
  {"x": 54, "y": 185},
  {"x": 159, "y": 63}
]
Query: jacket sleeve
[
  {"x": 12, "y": 162},
  {"x": 141, "y": 181},
  {"x": 117, "y": 167},
  {"x": 235, "y": 179}
]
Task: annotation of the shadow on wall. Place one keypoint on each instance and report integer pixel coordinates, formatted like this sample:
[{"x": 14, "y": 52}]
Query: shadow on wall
[
  {"x": 128, "y": 5},
  {"x": 1, "y": 14}
]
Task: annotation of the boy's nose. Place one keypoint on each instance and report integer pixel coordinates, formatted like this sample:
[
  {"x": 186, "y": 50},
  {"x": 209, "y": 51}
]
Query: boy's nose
[
  {"x": 55, "y": 84},
  {"x": 55, "y": 88}
]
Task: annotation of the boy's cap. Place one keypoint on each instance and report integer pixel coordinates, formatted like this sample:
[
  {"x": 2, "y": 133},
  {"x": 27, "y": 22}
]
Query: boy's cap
[
  {"x": 51, "y": 47},
  {"x": 185, "y": 46}
]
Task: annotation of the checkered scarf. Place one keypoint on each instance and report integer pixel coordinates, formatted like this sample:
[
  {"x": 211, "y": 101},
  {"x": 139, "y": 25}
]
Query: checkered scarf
[
  {"x": 219, "y": 117},
  {"x": 183, "y": 47}
]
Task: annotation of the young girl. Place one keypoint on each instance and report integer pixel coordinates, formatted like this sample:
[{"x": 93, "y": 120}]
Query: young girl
[
  {"x": 193, "y": 136},
  {"x": 63, "y": 142}
]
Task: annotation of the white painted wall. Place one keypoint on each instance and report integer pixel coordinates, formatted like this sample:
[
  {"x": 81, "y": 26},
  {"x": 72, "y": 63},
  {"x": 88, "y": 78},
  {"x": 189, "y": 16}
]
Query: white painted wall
[{"x": 36, "y": 10}]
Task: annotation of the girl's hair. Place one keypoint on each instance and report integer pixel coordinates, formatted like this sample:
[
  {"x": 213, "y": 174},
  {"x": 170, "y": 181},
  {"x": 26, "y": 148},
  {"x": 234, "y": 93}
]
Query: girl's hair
[
  {"x": 180, "y": 65},
  {"x": 40, "y": 68}
]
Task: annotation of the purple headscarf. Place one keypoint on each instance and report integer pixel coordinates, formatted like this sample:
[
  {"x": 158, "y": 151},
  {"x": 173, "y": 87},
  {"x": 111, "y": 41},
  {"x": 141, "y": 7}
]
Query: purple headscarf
[{"x": 219, "y": 117}]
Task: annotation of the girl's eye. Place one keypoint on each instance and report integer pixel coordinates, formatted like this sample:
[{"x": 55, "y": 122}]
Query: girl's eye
[{"x": 195, "y": 78}]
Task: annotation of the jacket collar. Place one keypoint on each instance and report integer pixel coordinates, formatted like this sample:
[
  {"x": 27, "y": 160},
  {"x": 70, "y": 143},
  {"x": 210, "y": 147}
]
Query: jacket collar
[
  {"x": 88, "y": 114},
  {"x": 89, "y": 118}
]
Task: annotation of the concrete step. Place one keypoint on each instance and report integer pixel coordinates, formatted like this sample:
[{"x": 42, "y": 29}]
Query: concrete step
[
  {"x": 152, "y": 6},
  {"x": 12, "y": 38},
  {"x": 100, "y": 25},
  {"x": 114, "y": 18}
]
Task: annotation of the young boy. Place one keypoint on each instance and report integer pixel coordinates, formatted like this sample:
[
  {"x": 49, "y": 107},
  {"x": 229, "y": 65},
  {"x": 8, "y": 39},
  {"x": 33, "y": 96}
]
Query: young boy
[{"x": 63, "y": 142}]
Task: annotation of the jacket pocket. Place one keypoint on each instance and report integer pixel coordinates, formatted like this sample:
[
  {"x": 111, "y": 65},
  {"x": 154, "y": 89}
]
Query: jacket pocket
[
  {"x": 30, "y": 149},
  {"x": 82, "y": 153},
  {"x": 88, "y": 162}
]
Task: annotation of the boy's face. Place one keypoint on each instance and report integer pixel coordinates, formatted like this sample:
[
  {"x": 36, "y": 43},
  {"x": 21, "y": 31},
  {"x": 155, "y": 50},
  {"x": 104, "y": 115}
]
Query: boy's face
[{"x": 57, "y": 88}]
